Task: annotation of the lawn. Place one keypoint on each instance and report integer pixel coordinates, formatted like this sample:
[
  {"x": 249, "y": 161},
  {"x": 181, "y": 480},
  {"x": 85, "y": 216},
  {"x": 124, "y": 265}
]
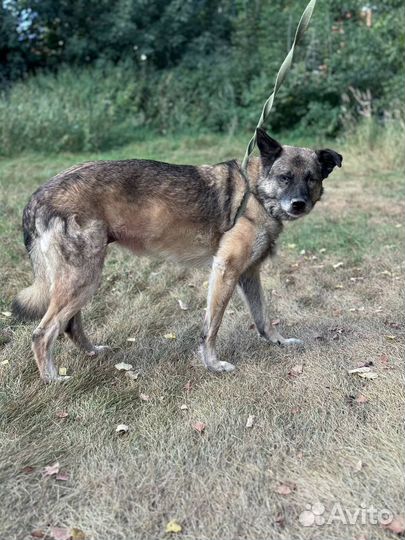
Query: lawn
[{"x": 320, "y": 435}]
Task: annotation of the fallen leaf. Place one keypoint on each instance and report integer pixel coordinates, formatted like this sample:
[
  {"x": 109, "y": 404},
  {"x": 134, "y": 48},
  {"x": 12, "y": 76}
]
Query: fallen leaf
[
  {"x": 121, "y": 429},
  {"x": 28, "y": 469},
  {"x": 188, "y": 386},
  {"x": 338, "y": 265},
  {"x": 62, "y": 476},
  {"x": 50, "y": 470},
  {"x": 4, "y": 362},
  {"x": 122, "y": 366},
  {"x": 6, "y": 313},
  {"x": 397, "y": 525},
  {"x": 384, "y": 359},
  {"x": 183, "y": 407},
  {"x": 173, "y": 527},
  {"x": 199, "y": 426},
  {"x": 250, "y": 421},
  {"x": 144, "y": 397},
  {"x": 183, "y": 306},
  {"x": 131, "y": 339},
  {"x": 275, "y": 322},
  {"x": 62, "y": 371},
  {"x": 132, "y": 375},
  {"x": 296, "y": 370},
  {"x": 171, "y": 335},
  {"x": 363, "y": 369},
  {"x": 285, "y": 489},
  {"x": 280, "y": 520},
  {"x": 390, "y": 337},
  {"x": 38, "y": 533},
  {"x": 368, "y": 375},
  {"x": 322, "y": 250},
  {"x": 357, "y": 466},
  {"x": 361, "y": 398},
  {"x": 61, "y": 414},
  {"x": 77, "y": 534},
  {"x": 60, "y": 533}
]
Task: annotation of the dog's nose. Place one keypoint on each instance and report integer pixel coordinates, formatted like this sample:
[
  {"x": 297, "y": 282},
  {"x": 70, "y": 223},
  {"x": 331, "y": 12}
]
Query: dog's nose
[{"x": 298, "y": 205}]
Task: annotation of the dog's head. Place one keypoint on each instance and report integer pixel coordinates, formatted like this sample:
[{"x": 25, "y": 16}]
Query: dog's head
[{"x": 291, "y": 180}]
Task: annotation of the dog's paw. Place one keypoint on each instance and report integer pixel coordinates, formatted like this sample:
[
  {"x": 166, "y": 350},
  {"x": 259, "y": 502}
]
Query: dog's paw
[
  {"x": 57, "y": 379},
  {"x": 220, "y": 367},
  {"x": 291, "y": 342},
  {"x": 98, "y": 350}
]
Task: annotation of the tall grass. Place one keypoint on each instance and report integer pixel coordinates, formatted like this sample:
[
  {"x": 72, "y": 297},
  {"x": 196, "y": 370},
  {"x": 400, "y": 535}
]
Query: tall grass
[
  {"x": 73, "y": 110},
  {"x": 102, "y": 107}
]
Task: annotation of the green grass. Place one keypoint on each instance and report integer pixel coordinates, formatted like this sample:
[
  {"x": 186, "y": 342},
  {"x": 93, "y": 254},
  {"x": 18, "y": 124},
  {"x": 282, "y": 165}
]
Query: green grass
[{"x": 308, "y": 430}]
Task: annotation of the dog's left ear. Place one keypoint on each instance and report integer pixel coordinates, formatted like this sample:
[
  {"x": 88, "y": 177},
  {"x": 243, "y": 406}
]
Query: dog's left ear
[{"x": 328, "y": 159}]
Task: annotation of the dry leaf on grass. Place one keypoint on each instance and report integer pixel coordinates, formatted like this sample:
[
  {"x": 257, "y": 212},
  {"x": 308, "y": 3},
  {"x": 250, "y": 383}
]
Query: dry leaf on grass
[
  {"x": 275, "y": 322},
  {"x": 60, "y": 533},
  {"x": 183, "y": 407},
  {"x": 6, "y": 313},
  {"x": 121, "y": 429},
  {"x": 369, "y": 375},
  {"x": 199, "y": 426},
  {"x": 183, "y": 306},
  {"x": 28, "y": 469},
  {"x": 171, "y": 335},
  {"x": 391, "y": 337},
  {"x": 144, "y": 397},
  {"x": 357, "y": 466},
  {"x": 133, "y": 375},
  {"x": 62, "y": 476},
  {"x": 250, "y": 421},
  {"x": 362, "y": 369},
  {"x": 173, "y": 526},
  {"x": 61, "y": 414},
  {"x": 131, "y": 339},
  {"x": 122, "y": 366},
  {"x": 77, "y": 534},
  {"x": 188, "y": 386},
  {"x": 4, "y": 362},
  {"x": 296, "y": 370},
  {"x": 338, "y": 265},
  {"x": 38, "y": 533},
  {"x": 62, "y": 371},
  {"x": 50, "y": 470},
  {"x": 286, "y": 488},
  {"x": 397, "y": 525},
  {"x": 361, "y": 398}
]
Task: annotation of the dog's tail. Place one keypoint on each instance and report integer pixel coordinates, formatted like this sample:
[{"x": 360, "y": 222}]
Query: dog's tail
[{"x": 31, "y": 303}]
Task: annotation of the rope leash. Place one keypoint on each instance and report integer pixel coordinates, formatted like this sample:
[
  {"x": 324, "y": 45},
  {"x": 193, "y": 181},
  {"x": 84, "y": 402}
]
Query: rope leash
[{"x": 281, "y": 75}]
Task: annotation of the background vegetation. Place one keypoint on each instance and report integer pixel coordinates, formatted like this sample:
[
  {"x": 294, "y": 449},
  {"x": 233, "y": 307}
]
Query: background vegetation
[{"x": 89, "y": 75}]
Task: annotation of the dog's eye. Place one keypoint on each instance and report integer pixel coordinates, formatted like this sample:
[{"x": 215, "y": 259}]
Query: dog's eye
[{"x": 284, "y": 178}]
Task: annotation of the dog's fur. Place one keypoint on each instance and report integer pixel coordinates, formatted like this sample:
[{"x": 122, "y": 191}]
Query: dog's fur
[{"x": 181, "y": 212}]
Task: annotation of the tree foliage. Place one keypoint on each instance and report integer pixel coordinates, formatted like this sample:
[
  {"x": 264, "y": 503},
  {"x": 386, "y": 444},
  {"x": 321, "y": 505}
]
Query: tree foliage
[{"x": 212, "y": 63}]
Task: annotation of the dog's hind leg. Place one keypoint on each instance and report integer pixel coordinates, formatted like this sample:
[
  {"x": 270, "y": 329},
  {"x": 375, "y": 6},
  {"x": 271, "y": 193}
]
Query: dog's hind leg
[
  {"x": 73, "y": 256},
  {"x": 74, "y": 330},
  {"x": 252, "y": 292}
]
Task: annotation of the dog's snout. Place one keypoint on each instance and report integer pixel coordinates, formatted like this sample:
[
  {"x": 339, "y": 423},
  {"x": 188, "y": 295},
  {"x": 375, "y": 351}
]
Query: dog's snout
[{"x": 298, "y": 205}]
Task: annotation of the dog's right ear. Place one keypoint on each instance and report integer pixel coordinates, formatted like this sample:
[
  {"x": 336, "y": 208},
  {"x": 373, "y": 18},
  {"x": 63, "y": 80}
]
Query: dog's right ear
[{"x": 269, "y": 148}]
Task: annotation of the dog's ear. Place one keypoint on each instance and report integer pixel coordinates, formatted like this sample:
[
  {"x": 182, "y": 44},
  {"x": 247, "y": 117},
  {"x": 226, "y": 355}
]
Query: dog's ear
[
  {"x": 269, "y": 148},
  {"x": 328, "y": 159}
]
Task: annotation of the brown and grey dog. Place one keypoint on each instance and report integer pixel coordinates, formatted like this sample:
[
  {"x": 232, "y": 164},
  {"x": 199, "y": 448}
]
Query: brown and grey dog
[{"x": 180, "y": 212}]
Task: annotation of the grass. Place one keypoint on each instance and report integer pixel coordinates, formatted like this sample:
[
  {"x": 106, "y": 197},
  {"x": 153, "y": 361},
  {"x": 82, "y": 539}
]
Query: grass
[{"x": 309, "y": 430}]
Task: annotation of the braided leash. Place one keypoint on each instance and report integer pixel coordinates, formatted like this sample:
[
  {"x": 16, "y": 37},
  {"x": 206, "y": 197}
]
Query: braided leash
[{"x": 281, "y": 75}]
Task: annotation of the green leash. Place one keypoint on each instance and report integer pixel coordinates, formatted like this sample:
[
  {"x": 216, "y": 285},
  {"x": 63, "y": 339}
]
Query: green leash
[{"x": 281, "y": 75}]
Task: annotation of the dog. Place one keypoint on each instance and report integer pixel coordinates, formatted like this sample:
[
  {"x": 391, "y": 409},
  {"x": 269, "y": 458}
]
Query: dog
[{"x": 189, "y": 214}]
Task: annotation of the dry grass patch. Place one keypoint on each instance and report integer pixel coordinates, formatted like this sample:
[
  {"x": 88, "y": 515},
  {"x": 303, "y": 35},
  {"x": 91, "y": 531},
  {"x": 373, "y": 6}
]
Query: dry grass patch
[{"x": 309, "y": 433}]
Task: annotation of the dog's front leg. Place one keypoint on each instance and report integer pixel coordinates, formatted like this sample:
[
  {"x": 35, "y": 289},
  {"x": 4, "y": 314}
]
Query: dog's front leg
[
  {"x": 223, "y": 280},
  {"x": 252, "y": 292}
]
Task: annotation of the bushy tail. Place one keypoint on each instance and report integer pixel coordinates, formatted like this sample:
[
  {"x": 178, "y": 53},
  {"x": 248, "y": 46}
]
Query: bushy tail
[{"x": 31, "y": 303}]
